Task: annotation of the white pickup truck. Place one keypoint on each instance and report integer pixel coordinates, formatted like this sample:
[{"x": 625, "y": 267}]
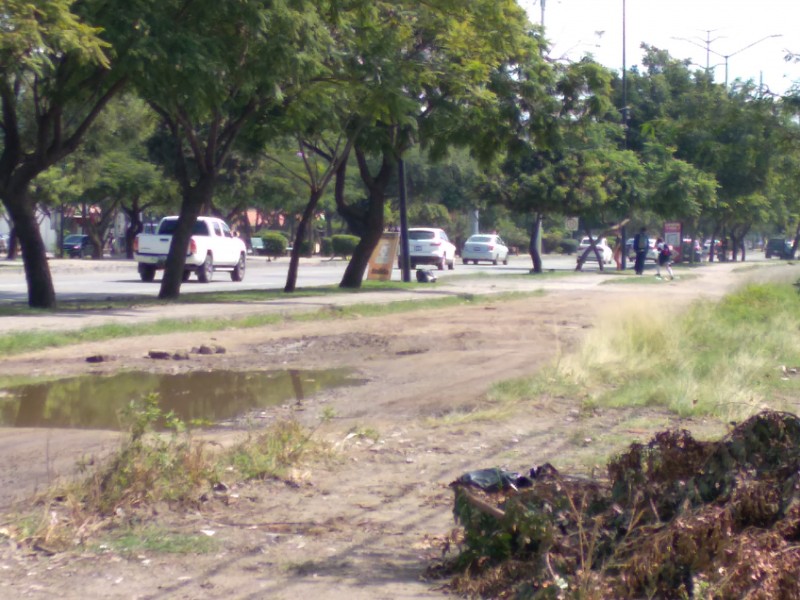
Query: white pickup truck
[{"x": 213, "y": 247}]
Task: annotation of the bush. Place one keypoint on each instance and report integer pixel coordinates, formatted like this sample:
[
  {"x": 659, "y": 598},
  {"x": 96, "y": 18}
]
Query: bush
[
  {"x": 551, "y": 242},
  {"x": 305, "y": 248},
  {"x": 344, "y": 245},
  {"x": 568, "y": 246},
  {"x": 326, "y": 247},
  {"x": 275, "y": 244}
]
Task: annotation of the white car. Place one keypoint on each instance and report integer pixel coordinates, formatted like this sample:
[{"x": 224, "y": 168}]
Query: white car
[
  {"x": 430, "y": 246},
  {"x": 486, "y": 247},
  {"x": 605, "y": 250}
]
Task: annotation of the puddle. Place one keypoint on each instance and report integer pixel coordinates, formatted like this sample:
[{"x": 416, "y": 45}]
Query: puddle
[{"x": 95, "y": 402}]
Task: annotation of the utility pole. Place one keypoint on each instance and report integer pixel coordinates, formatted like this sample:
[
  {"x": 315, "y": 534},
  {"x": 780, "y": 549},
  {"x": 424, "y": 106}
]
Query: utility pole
[{"x": 726, "y": 57}]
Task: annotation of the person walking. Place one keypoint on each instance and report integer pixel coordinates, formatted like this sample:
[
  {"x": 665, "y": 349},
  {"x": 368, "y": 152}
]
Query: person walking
[
  {"x": 664, "y": 258},
  {"x": 641, "y": 244}
]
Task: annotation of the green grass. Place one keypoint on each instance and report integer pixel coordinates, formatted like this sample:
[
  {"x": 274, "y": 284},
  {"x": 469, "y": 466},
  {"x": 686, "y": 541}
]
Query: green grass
[
  {"x": 27, "y": 341},
  {"x": 721, "y": 359},
  {"x": 136, "y": 540}
]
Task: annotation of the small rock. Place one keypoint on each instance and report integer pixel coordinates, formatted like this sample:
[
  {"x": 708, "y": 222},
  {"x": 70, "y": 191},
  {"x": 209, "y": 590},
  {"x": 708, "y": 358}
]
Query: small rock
[
  {"x": 99, "y": 358},
  {"x": 159, "y": 354},
  {"x": 205, "y": 349},
  {"x": 182, "y": 355}
]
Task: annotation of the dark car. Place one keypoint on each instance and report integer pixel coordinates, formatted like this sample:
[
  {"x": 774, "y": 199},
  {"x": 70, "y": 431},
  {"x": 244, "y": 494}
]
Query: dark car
[
  {"x": 778, "y": 247},
  {"x": 78, "y": 245}
]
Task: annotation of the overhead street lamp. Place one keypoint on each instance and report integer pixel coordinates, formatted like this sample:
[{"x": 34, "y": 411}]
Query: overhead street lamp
[{"x": 725, "y": 57}]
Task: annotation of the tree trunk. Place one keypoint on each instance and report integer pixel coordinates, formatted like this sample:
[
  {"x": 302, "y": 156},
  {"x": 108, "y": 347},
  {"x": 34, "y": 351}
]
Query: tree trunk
[
  {"x": 369, "y": 225},
  {"x": 134, "y": 228},
  {"x": 193, "y": 200},
  {"x": 354, "y": 273},
  {"x": 300, "y": 237},
  {"x": 536, "y": 244},
  {"x": 41, "y": 293},
  {"x": 12, "y": 244}
]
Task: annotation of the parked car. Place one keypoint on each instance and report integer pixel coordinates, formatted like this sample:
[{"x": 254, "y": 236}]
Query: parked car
[
  {"x": 605, "y": 250},
  {"x": 485, "y": 247},
  {"x": 652, "y": 253},
  {"x": 430, "y": 246},
  {"x": 3, "y": 242},
  {"x": 778, "y": 247},
  {"x": 78, "y": 245}
]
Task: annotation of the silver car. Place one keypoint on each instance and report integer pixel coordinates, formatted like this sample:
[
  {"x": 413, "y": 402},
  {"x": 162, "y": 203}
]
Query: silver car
[{"x": 487, "y": 247}]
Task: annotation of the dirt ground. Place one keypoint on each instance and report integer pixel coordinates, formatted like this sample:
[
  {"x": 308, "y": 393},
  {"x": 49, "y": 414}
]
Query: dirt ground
[{"x": 366, "y": 525}]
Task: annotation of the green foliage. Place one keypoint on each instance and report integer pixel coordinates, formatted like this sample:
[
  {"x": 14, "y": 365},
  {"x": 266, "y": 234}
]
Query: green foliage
[
  {"x": 722, "y": 359},
  {"x": 568, "y": 246},
  {"x": 326, "y": 247},
  {"x": 344, "y": 245},
  {"x": 269, "y": 454},
  {"x": 150, "y": 467},
  {"x": 551, "y": 242},
  {"x": 275, "y": 244},
  {"x": 135, "y": 540},
  {"x": 428, "y": 215}
]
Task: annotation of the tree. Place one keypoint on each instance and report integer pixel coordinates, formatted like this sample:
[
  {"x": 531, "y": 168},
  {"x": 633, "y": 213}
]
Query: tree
[
  {"x": 209, "y": 69},
  {"x": 429, "y": 74},
  {"x": 55, "y": 79}
]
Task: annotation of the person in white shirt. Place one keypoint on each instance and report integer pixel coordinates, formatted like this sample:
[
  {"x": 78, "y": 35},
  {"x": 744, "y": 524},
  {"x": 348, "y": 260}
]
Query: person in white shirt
[{"x": 664, "y": 258}]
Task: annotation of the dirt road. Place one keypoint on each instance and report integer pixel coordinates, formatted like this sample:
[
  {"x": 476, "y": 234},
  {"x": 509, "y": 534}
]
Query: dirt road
[{"x": 366, "y": 525}]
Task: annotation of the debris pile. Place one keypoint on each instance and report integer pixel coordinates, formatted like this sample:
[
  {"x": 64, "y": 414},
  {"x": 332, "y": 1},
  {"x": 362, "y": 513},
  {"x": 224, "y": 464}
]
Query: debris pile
[{"x": 676, "y": 518}]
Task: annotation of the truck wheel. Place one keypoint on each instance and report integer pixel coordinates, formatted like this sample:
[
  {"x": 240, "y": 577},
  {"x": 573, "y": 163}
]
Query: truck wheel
[
  {"x": 206, "y": 271},
  {"x": 147, "y": 272},
  {"x": 238, "y": 271}
]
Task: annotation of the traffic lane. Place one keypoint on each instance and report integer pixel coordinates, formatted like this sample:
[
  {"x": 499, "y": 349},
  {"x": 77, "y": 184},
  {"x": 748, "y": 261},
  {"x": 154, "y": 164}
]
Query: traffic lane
[{"x": 102, "y": 280}]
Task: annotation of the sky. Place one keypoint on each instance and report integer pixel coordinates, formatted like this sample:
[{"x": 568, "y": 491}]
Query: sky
[{"x": 754, "y": 35}]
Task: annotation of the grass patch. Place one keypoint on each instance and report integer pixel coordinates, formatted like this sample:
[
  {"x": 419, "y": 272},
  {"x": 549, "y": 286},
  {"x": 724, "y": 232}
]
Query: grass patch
[
  {"x": 28, "y": 341},
  {"x": 719, "y": 359},
  {"x": 135, "y": 540}
]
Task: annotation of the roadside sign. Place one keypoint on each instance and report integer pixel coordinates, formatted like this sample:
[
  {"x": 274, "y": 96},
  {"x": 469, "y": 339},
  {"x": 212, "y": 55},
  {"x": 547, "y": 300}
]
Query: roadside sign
[
  {"x": 383, "y": 257},
  {"x": 571, "y": 223}
]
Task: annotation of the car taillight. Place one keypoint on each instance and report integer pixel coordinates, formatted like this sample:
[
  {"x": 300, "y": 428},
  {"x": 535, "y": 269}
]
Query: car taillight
[
  {"x": 136, "y": 244},
  {"x": 192, "y": 246},
  {"x": 436, "y": 243},
  {"x": 491, "y": 247}
]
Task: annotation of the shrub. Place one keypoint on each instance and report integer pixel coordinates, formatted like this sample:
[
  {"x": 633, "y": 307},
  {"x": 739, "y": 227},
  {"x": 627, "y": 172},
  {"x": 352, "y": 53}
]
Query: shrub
[
  {"x": 326, "y": 248},
  {"x": 275, "y": 244},
  {"x": 568, "y": 246},
  {"x": 551, "y": 242},
  {"x": 344, "y": 245}
]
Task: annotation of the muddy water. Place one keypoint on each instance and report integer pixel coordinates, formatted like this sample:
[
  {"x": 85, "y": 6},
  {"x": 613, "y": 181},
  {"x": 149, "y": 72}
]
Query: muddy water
[{"x": 96, "y": 402}]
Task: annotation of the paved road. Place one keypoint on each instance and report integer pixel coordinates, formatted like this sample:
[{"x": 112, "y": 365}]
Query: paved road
[{"x": 92, "y": 280}]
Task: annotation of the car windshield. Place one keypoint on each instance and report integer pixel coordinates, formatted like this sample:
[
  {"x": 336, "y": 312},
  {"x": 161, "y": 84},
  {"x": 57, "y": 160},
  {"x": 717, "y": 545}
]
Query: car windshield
[
  {"x": 73, "y": 239},
  {"x": 479, "y": 238},
  {"x": 421, "y": 235},
  {"x": 168, "y": 227}
]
